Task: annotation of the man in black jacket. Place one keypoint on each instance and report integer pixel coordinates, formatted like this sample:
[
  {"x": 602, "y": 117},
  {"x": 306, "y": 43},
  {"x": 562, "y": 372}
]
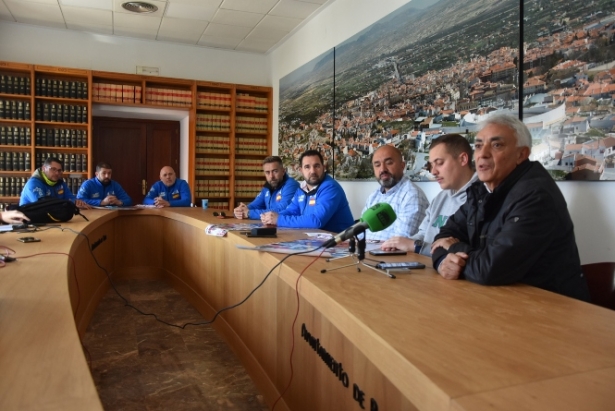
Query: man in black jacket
[{"x": 515, "y": 225}]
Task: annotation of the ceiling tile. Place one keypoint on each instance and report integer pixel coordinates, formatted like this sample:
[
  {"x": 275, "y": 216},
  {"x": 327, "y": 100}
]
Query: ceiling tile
[
  {"x": 189, "y": 11},
  {"x": 256, "y": 45},
  {"x": 90, "y": 4},
  {"x": 237, "y": 18},
  {"x": 266, "y": 34},
  {"x": 91, "y": 28},
  {"x": 137, "y": 21},
  {"x": 219, "y": 42},
  {"x": 224, "y": 30},
  {"x": 279, "y": 23},
  {"x": 117, "y": 7},
  {"x": 187, "y": 31},
  {"x": 50, "y": 2},
  {"x": 294, "y": 9},
  {"x": 254, "y": 6},
  {"x": 35, "y": 13},
  {"x": 201, "y": 3},
  {"x": 83, "y": 16},
  {"x": 321, "y": 2}
]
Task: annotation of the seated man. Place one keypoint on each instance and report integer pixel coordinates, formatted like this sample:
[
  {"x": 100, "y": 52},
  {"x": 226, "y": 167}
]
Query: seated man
[
  {"x": 47, "y": 182},
  {"x": 515, "y": 225},
  {"x": 320, "y": 202},
  {"x": 407, "y": 200},
  {"x": 450, "y": 158},
  {"x": 275, "y": 195},
  {"x": 102, "y": 191},
  {"x": 170, "y": 191}
]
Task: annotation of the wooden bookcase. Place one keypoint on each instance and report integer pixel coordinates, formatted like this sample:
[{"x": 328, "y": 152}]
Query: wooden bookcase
[{"x": 230, "y": 126}]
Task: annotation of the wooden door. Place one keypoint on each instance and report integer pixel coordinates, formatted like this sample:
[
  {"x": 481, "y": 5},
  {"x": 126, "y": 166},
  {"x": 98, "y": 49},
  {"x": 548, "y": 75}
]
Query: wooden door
[{"x": 136, "y": 149}]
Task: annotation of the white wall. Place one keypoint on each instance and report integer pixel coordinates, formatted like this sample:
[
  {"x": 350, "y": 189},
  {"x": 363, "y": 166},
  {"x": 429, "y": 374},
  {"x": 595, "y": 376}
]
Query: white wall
[
  {"x": 66, "y": 48},
  {"x": 589, "y": 203}
]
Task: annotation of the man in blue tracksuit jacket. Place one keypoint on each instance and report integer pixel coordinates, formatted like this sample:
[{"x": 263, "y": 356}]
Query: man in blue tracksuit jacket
[
  {"x": 47, "y": 182},
  {"x": 102, "y": 191},
  {"x": 275, "y": 195},
  {"x": 320, "y": 202},
  {"x": 170, "y": 191}
]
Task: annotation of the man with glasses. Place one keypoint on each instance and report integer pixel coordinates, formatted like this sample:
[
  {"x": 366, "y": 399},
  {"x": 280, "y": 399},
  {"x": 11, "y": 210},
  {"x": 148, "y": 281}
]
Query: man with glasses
[{"x": 47, "y": 182}]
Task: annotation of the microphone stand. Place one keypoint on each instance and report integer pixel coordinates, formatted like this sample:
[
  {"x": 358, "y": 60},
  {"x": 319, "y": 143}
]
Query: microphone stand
[{"x": 357, "y": 257}]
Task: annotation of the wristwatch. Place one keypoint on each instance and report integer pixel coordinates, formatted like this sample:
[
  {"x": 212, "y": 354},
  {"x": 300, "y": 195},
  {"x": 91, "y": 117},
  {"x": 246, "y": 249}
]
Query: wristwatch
[{"x": 418, "y": 245}]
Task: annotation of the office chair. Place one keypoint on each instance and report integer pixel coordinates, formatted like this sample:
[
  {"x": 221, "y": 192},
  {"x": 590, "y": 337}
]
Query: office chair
[{"x": 601, "y": 283}]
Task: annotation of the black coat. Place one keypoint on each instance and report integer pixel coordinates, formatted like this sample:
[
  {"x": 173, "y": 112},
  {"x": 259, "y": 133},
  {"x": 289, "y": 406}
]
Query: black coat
[{"x": 522, "y": 232}]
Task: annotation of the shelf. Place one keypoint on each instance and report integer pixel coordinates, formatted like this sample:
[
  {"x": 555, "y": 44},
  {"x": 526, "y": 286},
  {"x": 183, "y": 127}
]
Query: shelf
[
  {"x": 62, "y": 99},
  {"x": 58, "y": 123}
]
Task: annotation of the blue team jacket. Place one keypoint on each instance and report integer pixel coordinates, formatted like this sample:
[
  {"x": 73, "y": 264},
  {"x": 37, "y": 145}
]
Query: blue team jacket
[
  {"x": 326, "y": 207},
  {"x": 36, "y": 188},
  {"x": 273, "y": 200},
  {"x": 178, "y": 195},
  {"x": 93, "y": 192}
]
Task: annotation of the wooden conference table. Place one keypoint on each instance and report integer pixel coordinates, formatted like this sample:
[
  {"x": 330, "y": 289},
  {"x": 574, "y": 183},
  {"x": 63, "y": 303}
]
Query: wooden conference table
[{"x": 361, "y": 340}]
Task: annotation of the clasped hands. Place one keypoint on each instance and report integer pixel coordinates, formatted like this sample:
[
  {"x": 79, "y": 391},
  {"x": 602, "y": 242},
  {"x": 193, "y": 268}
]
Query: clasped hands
[{"x": 453, "y": 264}]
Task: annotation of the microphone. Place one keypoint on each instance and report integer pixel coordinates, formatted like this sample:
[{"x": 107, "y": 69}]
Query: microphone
[{"x": 376, "y": 218}]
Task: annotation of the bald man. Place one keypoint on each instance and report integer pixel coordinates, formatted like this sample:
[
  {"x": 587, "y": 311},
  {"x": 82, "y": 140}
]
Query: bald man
[
  {"x": 170, "y": 191},
  {"x": 407, "y": 200}
]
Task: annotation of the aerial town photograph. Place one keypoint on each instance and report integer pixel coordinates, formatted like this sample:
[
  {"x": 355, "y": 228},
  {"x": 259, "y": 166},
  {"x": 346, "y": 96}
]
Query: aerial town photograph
[{"x": 440, "y": 66}]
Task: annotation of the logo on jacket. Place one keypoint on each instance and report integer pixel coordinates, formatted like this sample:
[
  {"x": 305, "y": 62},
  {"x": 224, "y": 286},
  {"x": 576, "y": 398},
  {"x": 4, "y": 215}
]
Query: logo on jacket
[
  {"x": 301, "y": 198},
  {"x": 95, "y": 195},
  {"x": 175, "y": 195},
  {"x": 278, "y": 197},
  {"x": 440, "y": 221},
  {"x": 312, "y": 201}
]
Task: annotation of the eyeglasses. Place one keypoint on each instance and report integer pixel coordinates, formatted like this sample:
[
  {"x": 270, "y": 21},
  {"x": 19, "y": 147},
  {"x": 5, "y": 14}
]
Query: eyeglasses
[
  {"x": 219, "y": 214},
  {"x": 54, "y": 170}
]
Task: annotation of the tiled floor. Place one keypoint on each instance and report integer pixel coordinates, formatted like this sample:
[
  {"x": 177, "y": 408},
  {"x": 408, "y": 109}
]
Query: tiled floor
[{"x": 140, "y": 364}]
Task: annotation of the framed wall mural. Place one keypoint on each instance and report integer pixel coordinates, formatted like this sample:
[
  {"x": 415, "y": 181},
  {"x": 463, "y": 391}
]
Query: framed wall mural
[
  {"x": 441, "y": 66},
  {"x": 569, "y": 85}
]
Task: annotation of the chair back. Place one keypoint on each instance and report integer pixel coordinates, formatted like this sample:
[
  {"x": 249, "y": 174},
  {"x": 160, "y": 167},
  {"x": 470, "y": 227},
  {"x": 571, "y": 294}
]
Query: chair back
[{"x": 601, "y": 283}]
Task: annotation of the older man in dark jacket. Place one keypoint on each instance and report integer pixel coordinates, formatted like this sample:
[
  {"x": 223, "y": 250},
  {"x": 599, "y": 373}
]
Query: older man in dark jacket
[{"x": 515, "y": 225}]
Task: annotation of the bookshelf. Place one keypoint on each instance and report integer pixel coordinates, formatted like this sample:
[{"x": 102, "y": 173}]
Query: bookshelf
[{"x": 50, "y": 114}]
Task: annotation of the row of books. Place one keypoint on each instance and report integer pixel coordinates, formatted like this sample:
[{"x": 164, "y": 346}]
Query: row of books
[
  {"x": 248, "y": 167},
  {"x": 49, "y": 87},
  {"x": 124, "y": 93},
  {"x": 72, "y": 163},
  {"x": 62, "y": 113},
  {"x": 213, "y": 144},
  {"x": 247, "y": 102},
  {"x": 14, "y": 84},
  {"x": 168, "y": 96},
  {"x": 212, "y": 188},
  {"x": 213, "y": 122},
  {"x": 251, "y": 124},
  {"x": 254, "y": 146},
  {"x": 15, "y": 161},
  {"x": 212, "y": 166},
  {"x": 207, "y": 99},
  {"x": 61, "y": 137},
  {"x": 13, "y": 186},
  {"x": 14, "y": 109},
  {"x": 15, "y": 136},
  {"x": 248, "y": 188}
]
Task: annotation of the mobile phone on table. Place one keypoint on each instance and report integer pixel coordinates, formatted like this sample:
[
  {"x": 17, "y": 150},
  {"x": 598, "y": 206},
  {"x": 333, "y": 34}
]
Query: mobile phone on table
[
  {"x": 29, "y": 239},
  {"x": 392, "y": 252},
  {"x": 409, "y": 265}
]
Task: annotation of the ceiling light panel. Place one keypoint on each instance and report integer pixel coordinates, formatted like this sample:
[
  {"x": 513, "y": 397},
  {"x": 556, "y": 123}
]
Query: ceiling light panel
[{"x": 162, "y": 5}]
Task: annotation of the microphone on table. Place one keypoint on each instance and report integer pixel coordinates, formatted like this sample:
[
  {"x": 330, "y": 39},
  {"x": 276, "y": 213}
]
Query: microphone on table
[{"x": 376, "y": 218}]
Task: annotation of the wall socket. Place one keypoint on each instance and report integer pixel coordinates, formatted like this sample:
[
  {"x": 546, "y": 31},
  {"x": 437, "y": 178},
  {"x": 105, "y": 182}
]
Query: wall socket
[{"x": 149, "y": 71}]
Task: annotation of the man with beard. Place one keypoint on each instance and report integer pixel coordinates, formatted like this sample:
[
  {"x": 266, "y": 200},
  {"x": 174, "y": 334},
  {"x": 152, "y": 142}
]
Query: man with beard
[
  {"x": 47, "y": 182},
  {"x": 515, "y": 225},
  {"x": 320, "y": 202},
  {"x": 275, "y": 195},
  {"x": 407, "y": 200},
  {"x": 102, "y": 191},
  {"x": 170, "y": 191},
  {"x": 450, "y": 159}
]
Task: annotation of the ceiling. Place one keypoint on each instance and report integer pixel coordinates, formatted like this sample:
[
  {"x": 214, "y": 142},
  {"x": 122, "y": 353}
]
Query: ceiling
[{"x": 244, "y": 25}]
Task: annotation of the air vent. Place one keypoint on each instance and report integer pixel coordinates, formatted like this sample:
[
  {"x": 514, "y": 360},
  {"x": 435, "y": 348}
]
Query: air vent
[{"x": 139, "y": 7}]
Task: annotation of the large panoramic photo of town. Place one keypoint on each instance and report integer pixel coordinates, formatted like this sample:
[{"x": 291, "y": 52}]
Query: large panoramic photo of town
[{"x": 441, "y": 66}]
